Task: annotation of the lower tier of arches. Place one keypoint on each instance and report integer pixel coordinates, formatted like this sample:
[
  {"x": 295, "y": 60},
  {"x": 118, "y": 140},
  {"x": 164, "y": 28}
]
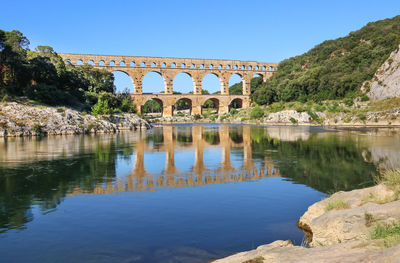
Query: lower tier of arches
[{"x": 195, "y": 102}]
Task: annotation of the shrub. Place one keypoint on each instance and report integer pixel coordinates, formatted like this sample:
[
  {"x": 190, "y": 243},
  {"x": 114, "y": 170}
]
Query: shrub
[
  {"x": 60, "y": 110},
  {"x": 364, "y": 98},
  {"x": 197, "y": 117},
  {"x": 293, "y": 120},
  {"x": 233, "y": 112},
  {"x": 315, "y": 117},
  {"x": 37, "y": 128},
  {"x": 102, "y": 108},
  {"x": 361, "y": 116},
  {"x": 256, "y": 112},
  {"x": 319, "y": 108},
  {"x": 348, "y": 102},
  {"x": 127, "y": 105}
]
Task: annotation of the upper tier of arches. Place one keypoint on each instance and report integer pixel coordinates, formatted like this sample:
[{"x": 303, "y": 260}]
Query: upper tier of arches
[{"x": 172, "y": 63}]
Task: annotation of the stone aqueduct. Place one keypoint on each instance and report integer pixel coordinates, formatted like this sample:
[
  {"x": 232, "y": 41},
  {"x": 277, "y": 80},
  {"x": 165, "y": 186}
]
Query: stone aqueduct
[{"x": 137, "y": 67}]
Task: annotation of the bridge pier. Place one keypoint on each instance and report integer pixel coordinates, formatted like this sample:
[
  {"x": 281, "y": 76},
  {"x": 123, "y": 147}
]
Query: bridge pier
[
  {"x": 168, "y": 111},
  {"x": 196, "y": 110},
  {"x": 222, "y": 109}
]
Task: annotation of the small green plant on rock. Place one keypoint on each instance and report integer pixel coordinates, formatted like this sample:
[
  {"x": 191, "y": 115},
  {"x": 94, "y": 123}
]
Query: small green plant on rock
[
  {"x": 293, "y": 120},
  {"x": 197, "y": 117},
  {"x": 369, "y": 219},
  {"x": 389, "y": 233},
  {"x": 336, "y": 204},
  {"x": 38, "y": 129}
]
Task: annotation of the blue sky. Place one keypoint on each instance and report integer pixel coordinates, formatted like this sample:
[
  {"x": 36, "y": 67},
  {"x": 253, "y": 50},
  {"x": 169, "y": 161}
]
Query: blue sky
[{"x": 267, "y": 31}]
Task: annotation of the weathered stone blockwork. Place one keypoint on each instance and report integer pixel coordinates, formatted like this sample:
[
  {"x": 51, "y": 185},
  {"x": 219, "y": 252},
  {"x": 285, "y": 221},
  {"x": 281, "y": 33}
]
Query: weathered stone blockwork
[{"x": 168, "y": 68}]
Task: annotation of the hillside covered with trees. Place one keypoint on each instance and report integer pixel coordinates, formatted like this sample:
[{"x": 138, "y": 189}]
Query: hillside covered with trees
[
  {"x": 42, "y": 76},
  {"x": 333, "y": 69}
]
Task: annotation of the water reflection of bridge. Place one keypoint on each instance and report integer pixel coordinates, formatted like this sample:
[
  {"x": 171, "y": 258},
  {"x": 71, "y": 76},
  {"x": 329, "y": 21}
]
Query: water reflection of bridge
[{"x": 169, "y": 138}]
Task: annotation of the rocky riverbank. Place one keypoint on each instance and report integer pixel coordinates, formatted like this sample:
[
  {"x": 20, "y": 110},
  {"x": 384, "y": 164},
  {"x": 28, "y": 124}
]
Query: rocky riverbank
[
  {"x": 385, "y": 113},
  {"x": 357, "y": 226},
  {"x": 28, "y": 120}
]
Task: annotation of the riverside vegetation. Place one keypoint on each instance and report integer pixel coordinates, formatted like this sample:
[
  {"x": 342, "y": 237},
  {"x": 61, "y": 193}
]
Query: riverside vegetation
[{"x": 33, "y": 83}]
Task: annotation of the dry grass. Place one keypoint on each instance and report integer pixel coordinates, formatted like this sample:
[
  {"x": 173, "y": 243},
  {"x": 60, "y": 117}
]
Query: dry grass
[
  {"x": 383, "y": 105},
  {"x": 390, "y": 178},
  {"x": 255, "y": 260},
  {"x": 371, "y": 198},
  {"x": 336, "y": 204}
]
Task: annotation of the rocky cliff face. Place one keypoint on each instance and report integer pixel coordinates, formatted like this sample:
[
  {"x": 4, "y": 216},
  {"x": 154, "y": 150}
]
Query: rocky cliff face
[
  {"x": 23, "y": 120},
  {"x": 386, "y": 81}
]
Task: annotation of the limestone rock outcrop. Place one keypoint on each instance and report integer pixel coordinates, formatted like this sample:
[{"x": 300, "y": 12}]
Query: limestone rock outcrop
[
  {"x": 386, "y": 81},
  {"x": 23, "y": 120},
  {"x": 284, "y": 252},
  {"x": 337, "y": 235}
]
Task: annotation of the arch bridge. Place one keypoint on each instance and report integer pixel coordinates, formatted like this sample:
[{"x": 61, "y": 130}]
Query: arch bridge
[{"x": 136, "y": 67}]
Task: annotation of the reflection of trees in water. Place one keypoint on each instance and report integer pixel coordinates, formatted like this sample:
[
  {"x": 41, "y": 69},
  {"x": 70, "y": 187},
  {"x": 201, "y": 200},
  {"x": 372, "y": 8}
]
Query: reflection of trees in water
[
  {"x": 236, "y": 134},
  {"x": 46, "y": 183},
  {"x": 328, "y": 164},
  {"x": 325, "y": 163},
  {"x": 212, "y": 137}
]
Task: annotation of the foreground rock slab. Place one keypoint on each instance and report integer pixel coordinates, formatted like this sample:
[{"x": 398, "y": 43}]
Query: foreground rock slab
[{"x": 284, "y": 252}]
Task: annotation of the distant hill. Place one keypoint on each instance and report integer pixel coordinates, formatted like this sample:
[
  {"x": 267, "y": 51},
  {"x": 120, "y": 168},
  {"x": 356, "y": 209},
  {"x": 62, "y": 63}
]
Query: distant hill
[{"x": 335, "y": 68}]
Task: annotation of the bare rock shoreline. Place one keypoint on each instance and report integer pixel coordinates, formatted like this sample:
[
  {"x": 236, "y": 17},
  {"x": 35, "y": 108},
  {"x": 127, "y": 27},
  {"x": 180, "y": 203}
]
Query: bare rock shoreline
[
  {"x": 25, "y": 120},
  {"x": 339, "y": 229}
]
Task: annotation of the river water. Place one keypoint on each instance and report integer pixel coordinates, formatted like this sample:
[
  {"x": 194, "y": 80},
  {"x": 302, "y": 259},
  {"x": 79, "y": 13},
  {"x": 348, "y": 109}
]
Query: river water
[{"x": 183, "y": 193}]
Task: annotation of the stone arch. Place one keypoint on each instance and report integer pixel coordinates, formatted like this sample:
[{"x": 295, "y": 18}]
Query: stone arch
[
  {"x": 91, "y": 62},
  {"x": 150, "y": 107},
  {"x": 68, "y": 61},
  {"x": 163, "y": 65},
  {"x": 235, "y": 84},
  {"x": 79, "y": 62},
  {"x": 207, "y": 105},
  {"x": 122, "y": 63},
  {"x": 208, "y": 84},
  {"x": 143, "y": 64},
  {"x": 270, "y": 68},
  {"x": 154, "y": 80},
  {"x": 173, "y": 65},
  {"x": 257, "y": 79},
  {"x": 182, "y": 80},
  {"x": 236, "y": 103},
  {"x": 153, "y": 65},
  {"x": 220, "y": 66},
  {"x": 192, "y": 66},
  {"x": 112, "y": 63},
  {"x": 102, "y": 63},
  {"x": 183, "y": 104},
  {"x": 121, "y": 81},
  {"x": 201, "y": 66},
  {"x": 183, "y": 65}
]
